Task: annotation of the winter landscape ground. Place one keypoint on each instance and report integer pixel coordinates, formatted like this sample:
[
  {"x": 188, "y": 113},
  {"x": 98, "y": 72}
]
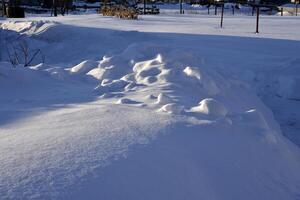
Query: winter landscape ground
[{"x": 164, "y": 107}]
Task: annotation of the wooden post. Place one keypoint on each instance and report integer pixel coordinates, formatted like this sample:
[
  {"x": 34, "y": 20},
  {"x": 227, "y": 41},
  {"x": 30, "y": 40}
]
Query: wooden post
[
  {"x": 257, "y": 19},
  {"x": 222, "y": 14}
]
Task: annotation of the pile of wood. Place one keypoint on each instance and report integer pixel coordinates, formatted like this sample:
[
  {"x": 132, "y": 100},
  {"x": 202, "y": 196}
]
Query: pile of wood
[{"x": 120, "y": 11}]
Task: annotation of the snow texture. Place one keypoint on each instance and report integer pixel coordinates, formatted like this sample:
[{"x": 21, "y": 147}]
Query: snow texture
[{"x": 166, "y": 107}]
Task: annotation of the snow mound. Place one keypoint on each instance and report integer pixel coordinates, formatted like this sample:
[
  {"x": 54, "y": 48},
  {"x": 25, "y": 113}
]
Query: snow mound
[
  {"x": 85, "y": 67},
  {"x": 148, "y": 72},
  {"x": 202, "y": 78},
  {"x": 27, "y": 27},
  {"x": 95, "y": 74},
  {"x": 172, "y": 86},
  {"x": 211, "y": 107},
  {"x": 166, "y": 82},
  {"x": 111, "y": 86},
  {"x": 163, "y": 99},
  {"x": 171, "y": 108},
  {"x": 175, "y": 82}
]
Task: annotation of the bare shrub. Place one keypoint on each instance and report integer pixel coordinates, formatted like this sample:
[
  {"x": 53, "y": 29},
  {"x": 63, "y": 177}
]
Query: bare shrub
[{"x": 19, "y": 53}]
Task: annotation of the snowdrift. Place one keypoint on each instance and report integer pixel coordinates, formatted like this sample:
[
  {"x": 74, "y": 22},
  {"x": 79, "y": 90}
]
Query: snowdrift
[{"x": 150, "y": 122}]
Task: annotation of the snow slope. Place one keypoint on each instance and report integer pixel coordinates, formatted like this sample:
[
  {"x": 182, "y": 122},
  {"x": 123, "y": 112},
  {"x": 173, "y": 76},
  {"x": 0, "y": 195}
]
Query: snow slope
[{"x": 131, "y": 110}]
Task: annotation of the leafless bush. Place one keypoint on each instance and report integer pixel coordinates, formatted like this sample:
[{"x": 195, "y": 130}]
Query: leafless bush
[{"x": 19, "y": 53}]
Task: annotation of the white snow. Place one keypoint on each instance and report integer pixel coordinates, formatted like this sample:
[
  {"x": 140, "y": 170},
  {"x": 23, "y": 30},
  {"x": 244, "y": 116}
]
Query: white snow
[
  {"x": 165, "y": 107},
  {"x": 210, "y": 107},
  {"x": 163, "y": 99},
  {"x": 84, "y": 67}
]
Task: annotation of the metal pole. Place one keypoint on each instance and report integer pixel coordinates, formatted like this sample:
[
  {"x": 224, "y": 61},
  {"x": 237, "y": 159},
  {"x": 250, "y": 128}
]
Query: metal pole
[
  {"x": 257, "y": 19},
  {"x": 222, "y": 13}
]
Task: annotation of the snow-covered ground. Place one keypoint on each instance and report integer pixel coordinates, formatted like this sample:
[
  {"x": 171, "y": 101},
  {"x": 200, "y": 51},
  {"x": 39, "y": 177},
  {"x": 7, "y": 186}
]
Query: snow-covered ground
[{"x": 165, "y": 107}]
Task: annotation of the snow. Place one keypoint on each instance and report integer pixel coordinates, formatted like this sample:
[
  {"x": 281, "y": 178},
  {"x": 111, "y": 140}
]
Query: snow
[
  {"x": 211, "y": 107},
  {"x": 163, "y": 99},
  {"x": 165, "y": 107},
  {"x": 84, "y": 67}
]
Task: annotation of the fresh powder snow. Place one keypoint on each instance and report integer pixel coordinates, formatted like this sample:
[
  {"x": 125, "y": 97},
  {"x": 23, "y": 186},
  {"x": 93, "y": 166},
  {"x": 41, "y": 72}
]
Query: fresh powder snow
[{"x": 164, "y": 107}]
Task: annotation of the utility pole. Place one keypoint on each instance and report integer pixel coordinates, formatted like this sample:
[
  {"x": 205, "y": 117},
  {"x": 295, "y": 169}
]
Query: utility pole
[
  {"x": 257, "y": 19},
  {"x": 222, "y": 14}
]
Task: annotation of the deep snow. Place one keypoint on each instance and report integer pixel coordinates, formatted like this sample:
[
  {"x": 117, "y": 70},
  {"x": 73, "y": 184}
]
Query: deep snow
[{"x": 166, "y": 107}]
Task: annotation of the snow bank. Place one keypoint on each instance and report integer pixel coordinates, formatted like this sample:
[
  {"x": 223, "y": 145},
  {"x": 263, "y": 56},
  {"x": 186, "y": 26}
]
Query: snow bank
[
  {"x": 28, "y": 28},
  {"x": 130, "y": 125}
]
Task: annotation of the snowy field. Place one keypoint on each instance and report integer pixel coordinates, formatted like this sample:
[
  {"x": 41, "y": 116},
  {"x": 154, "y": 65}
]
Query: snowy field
[{"x": 165, "y": 107}]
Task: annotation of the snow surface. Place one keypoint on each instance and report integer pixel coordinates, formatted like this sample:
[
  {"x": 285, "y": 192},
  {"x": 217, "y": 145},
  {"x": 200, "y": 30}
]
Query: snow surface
[{"x": 166, "y": 107}]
